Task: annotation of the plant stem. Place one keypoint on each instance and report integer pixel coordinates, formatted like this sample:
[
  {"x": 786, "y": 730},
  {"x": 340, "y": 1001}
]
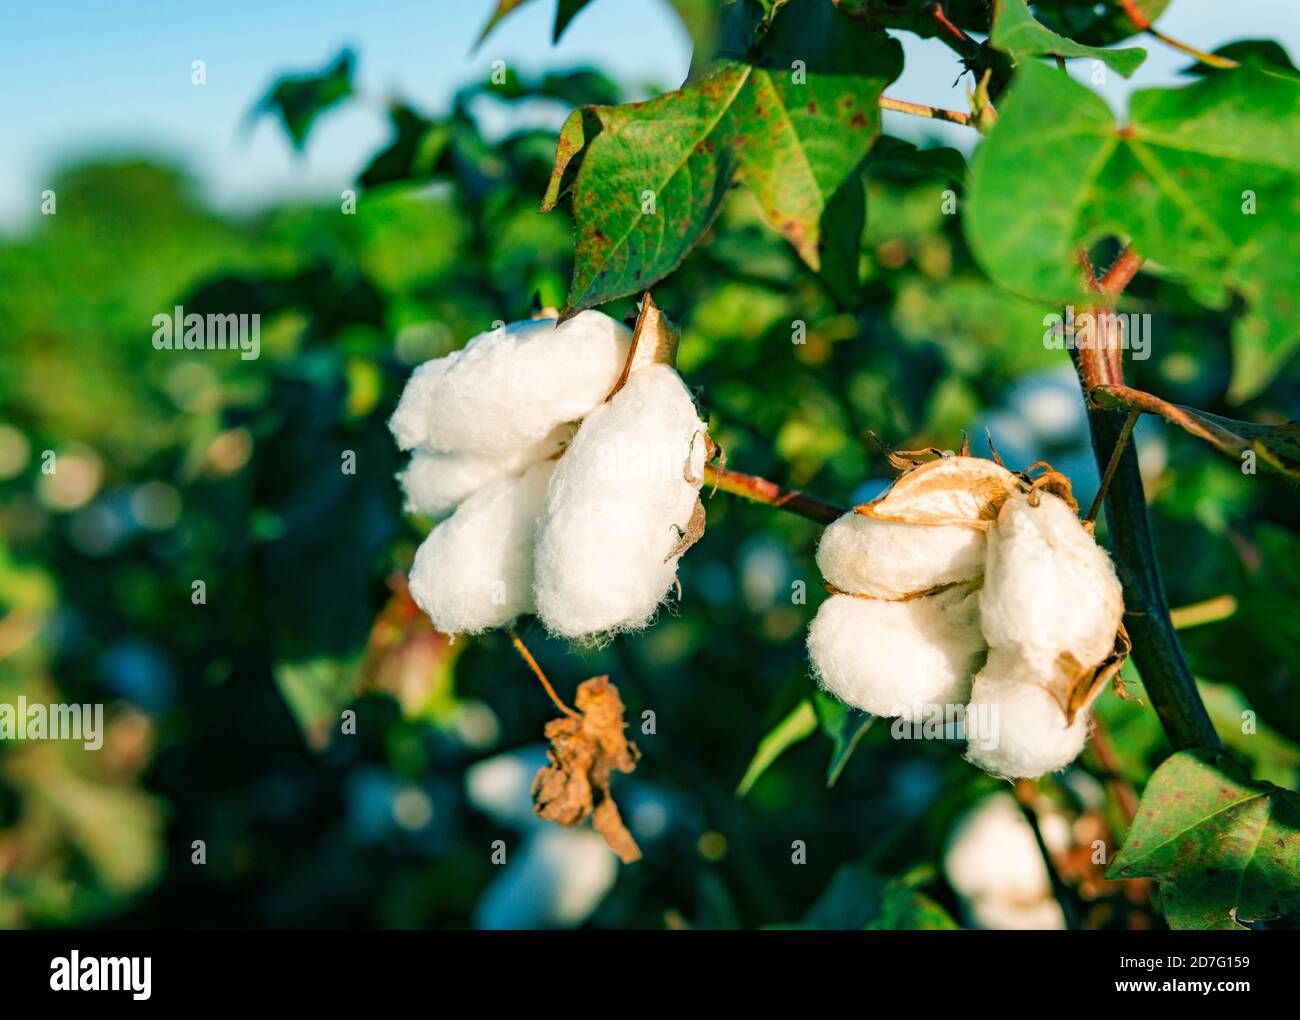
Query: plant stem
[
  {"x": 527, "y": 656},
  {"x": 760, "y": 490},
  {"x": 1112, "y": 465},
  {"x": 1156, "y": 651},
  {"x": 1138, "y": 18},
  {"x": 920, "y": 110},
  {"x": 952, "y": 36},
  {"x": 1026, "y": 792}
]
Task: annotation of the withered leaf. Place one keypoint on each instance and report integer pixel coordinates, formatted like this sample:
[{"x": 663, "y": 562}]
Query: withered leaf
[
  {"x": 586, "y": 748},
  {"x": 692, "y": 533}
]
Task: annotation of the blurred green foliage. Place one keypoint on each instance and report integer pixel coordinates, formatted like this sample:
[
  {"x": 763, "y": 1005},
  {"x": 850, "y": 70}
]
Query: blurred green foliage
[{"x": 225, "y": 716}]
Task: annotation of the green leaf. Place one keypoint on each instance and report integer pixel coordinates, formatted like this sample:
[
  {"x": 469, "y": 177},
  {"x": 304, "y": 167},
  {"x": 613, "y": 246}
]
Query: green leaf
[
  {"x": 894, "y": 159},
  {"x": 1222, "y": 847},
  {"x": 1202, "y": 179},
  {"x": 795, "y": 119},
  {"x": 844, "y": 727},
  {"x": 414, "y": 152},
  {"x": 565, "y": 12},
  {"x": 1015, "y": 31},
  {"x": 1096, "y": 23},
  {"x": 1264, "y": 52},
  {"x": 903, "y": 908},
  {"x": 1278, "y": 446},
  {"x": 799, "y": 724},
  {"x": 300, "y": 99},
  {"x": 502, "y": 8}
]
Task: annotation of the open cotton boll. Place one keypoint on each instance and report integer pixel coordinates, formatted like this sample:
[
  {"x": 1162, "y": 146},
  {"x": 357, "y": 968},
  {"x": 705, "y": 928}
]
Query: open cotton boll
[
  {"x": 1050, "y": 592},
  {"x": 945, "y": 491},
  {"x": 993, "y": 863},
  {"x": 897, "y": 658},
  {"x": 617, "y": 506},
  {"x": 474, "y": 571},
  {"x": 434, "y": 482},
  {"x": 1029, "y": 735},
  {"x": 410, "y": 422},
  {"x": 890, "y": 559},
  {"x": 509, "y": 387}
]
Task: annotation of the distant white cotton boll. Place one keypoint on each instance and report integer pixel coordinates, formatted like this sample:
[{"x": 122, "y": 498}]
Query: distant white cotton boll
[
  {"x": 1030, "y": 736},
  {"x": 617, "y": 505},
  {"x": 410, "y": 422},
  {"x": 434, "y": 482},
  {"x": 508, "y": 388},
  {"x": 993, "y": 863},
  {"x": 897, "y": 658},
  {"x": 474, "y": 571},
  {"x": 890, "y": 559},
  {"x": 1049, "y": 590},
  {"x": 992, "y": 850}
]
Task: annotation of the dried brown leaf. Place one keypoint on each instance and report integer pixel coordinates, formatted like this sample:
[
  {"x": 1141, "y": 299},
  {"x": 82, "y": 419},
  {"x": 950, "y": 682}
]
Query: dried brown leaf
[
  {"x": 692, "y": 533},
  {"x": 585, "y": 751},
  {"x": 654, "y": 341}
]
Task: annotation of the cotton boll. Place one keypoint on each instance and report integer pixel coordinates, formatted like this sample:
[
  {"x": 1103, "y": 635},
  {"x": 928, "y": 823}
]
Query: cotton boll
[
  {"x": 410, "y": 422},
  {"x": 992, "y": 851},
  {"x": 475, "y": 570},
  {"x": 946, "y": 491},
  {"x": 1029, "y": 736},
  {"x": 889, "y": 559},
  {"x": 434, "y": 482},
  {"x": 509, "y": 387},
  {"x": 1050, "y": 592},
  {"x": 896, "y": 658},
  {"x": 993, "y": 863},
  {"x": 617, "y": 506}
]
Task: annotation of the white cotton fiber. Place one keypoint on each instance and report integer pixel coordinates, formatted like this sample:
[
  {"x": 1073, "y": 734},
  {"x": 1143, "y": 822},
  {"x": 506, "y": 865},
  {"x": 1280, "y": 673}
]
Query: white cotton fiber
[
  {"x": 896, "y": 658},
  {"x": 508, "y": 388},
  {"x": 616, "y": 507},
  {"x": 993, "y": 863},
  {"x": 888, "y": 559},
  {"x": 434, "y": 482},
  {"x": 474, "y": 571},
  {"x": 410, "y": 422},
  {"x": 1029, "y": 736},
  {"x": 1050, "y": 592},
  {"x": 948, "y": 490}
]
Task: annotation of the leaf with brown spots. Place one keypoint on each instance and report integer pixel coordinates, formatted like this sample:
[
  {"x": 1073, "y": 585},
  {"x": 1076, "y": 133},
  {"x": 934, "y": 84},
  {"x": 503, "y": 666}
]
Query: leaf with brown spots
[
  {"x": 795, "y": 116},
  {"x": 586, "y": 748},
  {"x": 1222, "y": 847}
]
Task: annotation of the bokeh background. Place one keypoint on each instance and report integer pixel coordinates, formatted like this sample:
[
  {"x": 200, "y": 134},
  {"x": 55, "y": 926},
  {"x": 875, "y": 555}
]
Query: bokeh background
[{"x": 172, "y": 467}]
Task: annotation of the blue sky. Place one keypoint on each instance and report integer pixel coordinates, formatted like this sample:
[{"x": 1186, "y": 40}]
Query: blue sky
[{"x": 80, "y": 77}]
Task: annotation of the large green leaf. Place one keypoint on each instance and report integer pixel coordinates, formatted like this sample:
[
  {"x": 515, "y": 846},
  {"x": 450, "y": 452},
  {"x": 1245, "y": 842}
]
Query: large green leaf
[
  {"x": 1180, "y": 179},
  {"x": 1223, "y": 848},
  {"x": 795, "y": 118},
  {"x": 1015, "y": 31}
]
